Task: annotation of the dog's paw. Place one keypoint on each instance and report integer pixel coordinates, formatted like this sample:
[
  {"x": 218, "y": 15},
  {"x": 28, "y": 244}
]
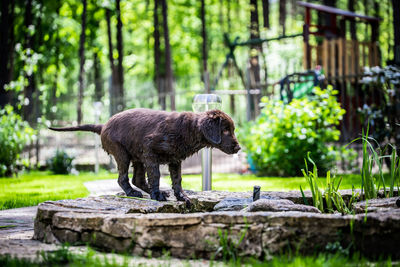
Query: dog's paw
[
  {"x": 134, "y": 193},
  {"x": 165, "y": 193},
  {"x": 157, "y": 195},
  {"x": 182, "y": 197},
  {"x": 188, "y": 203}
]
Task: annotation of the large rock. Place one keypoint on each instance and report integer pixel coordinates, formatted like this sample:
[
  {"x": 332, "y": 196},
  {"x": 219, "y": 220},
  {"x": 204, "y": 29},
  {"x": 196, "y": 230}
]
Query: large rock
[
  {"x": 142, "y": 226},
  {"x": 374, "y": 205},
  {"x": 231, "y": 203},
  {"x": 279, "y": 205}
]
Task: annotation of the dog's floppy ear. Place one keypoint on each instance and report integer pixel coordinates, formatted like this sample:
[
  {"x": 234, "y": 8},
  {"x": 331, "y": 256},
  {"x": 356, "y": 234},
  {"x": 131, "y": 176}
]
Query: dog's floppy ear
[{"x": 211, "y": 129}]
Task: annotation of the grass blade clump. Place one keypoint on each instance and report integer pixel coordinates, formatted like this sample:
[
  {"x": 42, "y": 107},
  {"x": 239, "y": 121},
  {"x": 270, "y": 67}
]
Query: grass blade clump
[
  {"x": 331, "y": 195},
  {"x": 312, "y": 179},
  {"x": 394, "y": 171},
  {"x": 368, "y": 188}
]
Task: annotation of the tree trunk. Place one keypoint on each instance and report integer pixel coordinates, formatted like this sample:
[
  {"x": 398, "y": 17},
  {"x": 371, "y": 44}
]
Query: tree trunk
[
  {"x": 120, "y": 69},
  {"x": 206, "y": 78},
  {"x": 255, "y": 49},
  {"x": 352, "y": 22},
  {"x": 53, "y": 90},
  {"x": 168, "y": 57},
  {"x": 265, "y": 5},
  {"x": 396, "y": 28},
  {"x": 11, "y": 43},
  {"x": 228, "y": 11},
  {"x": 40, "y": 67},
  {"x": 254, "y": 70},
  {"x": 4, "y": 49},
  {"x": 282, "y": 15},
  {"x": 157, "y": 57},
  {"x": 82, "y": 62},
  {"x": 29, "y": 76},
  {"x": 98, "y": 82},
  {"x": 113, "y": 82}
]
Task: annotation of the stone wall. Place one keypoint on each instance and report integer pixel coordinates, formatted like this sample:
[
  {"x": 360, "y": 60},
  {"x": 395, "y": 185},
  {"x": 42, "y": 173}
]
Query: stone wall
[{"x": 135, "y": 226}]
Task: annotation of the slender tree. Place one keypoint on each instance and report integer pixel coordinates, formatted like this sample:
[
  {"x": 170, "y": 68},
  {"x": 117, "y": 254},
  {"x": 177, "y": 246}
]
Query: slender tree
[
  {"x": 350, "y": 6},
  {"x": 157, "y": 57},
  {"x": 53, "y": 90},
  {"x": 265, "y": 6},
  {"x": 114, "y": 82},
  {"x": 82, "y": 61},
  {"x": 255, "y": 49},
  {"x": 206, "y": 79},
  {"x": 168, "y": 58},
  {"x": 29, "y": 75},
  {"x": 6, "y": 46},
  {"x": 282, "y": 15},
  {"x": 396, "y": 28},
  {"x": 98, "y": 81},
  {"x": 254, "y": 69},
  {"x": 120, "y": 69}
]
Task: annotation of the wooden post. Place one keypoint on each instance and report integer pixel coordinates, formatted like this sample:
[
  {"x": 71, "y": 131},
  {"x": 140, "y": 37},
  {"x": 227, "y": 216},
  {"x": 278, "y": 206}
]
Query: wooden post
[{"x": 325, "y": 57}]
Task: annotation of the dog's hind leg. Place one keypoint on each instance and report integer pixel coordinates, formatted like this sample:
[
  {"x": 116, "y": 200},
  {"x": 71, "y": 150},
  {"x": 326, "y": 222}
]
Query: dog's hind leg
[
  {"x": 176, "y": 177},
  {"x": 139, "y": 177},
  {"x": 153, "y": 174},
  {"x": 122, "y": 158}
]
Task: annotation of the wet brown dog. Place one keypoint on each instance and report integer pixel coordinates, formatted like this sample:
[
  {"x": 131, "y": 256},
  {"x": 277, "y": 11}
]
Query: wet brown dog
[{"x": 148, "y": 138}]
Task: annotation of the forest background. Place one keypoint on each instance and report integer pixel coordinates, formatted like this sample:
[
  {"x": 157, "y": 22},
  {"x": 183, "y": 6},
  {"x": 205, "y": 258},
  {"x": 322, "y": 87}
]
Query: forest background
[{"x": 59, "y": 57}]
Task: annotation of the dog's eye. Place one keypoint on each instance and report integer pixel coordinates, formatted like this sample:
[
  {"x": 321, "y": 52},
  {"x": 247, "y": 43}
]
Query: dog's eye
[{"x": 226, "y": 132}]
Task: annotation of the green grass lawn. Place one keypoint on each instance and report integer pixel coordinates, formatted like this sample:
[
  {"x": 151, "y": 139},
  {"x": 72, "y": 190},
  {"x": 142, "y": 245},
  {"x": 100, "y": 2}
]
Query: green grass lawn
[
  {"x": 237, "y": 182},
  {"x": 35, "y": 187},
  {"x": 32, "y": 188}
]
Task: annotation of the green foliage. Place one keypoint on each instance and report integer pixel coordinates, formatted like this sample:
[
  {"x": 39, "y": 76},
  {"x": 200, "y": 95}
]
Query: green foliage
[
  {"x": 330, "y": 199},
  {"x": 14, "y": 135},
  {"x": 277, "y": 141},
  {"x": 60, "y": 163},
  {"x": 228, "y": 248},
  {"x": 373, "y": 157}
]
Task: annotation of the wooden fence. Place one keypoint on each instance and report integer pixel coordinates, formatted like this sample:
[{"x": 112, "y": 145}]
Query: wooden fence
[{"x": 345, "y": 59}]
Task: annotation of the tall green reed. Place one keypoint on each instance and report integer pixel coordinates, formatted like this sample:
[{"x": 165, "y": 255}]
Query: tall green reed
[{"x": 331, "y": 195}]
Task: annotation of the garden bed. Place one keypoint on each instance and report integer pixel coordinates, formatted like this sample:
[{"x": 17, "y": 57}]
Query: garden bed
[{"x": 146, "y": 227}]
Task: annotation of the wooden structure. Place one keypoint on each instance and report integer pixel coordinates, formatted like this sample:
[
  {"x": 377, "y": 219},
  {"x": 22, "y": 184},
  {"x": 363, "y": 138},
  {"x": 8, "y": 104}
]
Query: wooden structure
[{"x": 338, "y": 56}]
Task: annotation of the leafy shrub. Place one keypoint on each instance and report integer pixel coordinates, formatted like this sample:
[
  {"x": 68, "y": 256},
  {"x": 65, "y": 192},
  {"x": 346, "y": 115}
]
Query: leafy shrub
[
  {"x": 14, "y": 135},
  {"x": 280, "y": 137},
  {"x": 60, "y": 163}
]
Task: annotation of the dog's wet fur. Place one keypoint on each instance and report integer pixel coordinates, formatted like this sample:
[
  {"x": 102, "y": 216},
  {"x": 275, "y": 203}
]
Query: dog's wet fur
[{"x": 148, "y": 138}]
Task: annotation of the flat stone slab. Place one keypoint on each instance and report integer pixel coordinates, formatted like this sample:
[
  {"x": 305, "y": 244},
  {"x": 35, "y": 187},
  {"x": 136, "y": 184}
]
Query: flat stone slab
[{"x": 143, "y": 226}]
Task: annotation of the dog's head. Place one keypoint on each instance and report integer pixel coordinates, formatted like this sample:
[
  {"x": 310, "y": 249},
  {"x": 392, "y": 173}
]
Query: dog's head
[{"x": 219, "y": 130}]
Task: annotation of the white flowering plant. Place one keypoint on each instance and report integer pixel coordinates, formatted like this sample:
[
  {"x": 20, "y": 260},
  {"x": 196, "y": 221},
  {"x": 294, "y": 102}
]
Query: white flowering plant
[
  {"x": 279, "y": 139},
  {"x": 383, "y": 114}
]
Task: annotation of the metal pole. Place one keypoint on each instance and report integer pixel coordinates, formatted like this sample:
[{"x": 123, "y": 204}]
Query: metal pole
[
  {"x": 206, "y": 165},
  {"x": 206, "y": 168},
  {"x": 202, "y": 103}
]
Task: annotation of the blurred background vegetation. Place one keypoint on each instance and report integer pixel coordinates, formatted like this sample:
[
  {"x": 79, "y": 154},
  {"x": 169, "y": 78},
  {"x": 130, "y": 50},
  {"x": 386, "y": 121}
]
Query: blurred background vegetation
[{"x": 58, "y": 58}]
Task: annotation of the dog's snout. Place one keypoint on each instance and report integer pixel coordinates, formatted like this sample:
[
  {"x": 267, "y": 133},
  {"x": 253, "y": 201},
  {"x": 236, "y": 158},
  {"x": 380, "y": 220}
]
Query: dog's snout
[{"x": 236, "y": 148}]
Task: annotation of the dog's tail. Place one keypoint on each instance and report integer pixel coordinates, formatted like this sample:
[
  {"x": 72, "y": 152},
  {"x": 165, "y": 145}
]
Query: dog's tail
[{"x": 95, "y": 128}]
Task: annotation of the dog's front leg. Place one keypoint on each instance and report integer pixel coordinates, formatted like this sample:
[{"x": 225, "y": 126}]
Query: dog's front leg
[
  {"x": 176, "y": 177},
  {"x": 153, "y": 174}
]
